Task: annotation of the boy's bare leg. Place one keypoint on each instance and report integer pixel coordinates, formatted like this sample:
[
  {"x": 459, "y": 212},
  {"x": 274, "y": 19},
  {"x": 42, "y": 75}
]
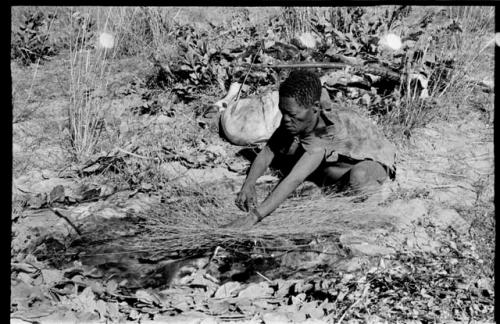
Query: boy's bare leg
[
  {"x": 362, "y": 178},
  {"x": 365, "y": 181},
  {"x": 334, "y": 174},
  {"x": 366, "y": 175}
]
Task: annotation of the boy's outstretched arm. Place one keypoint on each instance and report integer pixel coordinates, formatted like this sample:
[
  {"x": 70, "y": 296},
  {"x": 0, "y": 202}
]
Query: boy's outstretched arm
[
  {"x": 246, "y": 198},
  {"x": 306, "y": 165}
]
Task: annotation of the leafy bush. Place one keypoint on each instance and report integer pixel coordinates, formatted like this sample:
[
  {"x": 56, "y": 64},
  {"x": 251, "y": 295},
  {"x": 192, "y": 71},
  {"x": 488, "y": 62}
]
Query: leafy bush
[
  {"x": 31, "y": 42},
  {"x": 82, "y": 31}
]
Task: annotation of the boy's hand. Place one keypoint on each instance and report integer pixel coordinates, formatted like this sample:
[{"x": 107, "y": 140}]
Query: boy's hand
[
  {"x": 244, "y": 221},
  {"x": 246, "y": 198}
]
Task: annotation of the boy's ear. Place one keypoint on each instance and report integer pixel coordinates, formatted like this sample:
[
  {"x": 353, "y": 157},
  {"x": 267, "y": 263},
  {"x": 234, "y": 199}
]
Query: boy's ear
[{"x": 316, "y": 106}]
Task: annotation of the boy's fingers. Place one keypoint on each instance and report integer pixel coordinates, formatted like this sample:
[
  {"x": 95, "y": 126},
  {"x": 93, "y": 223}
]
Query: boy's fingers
[
  {"x": 239, "y": 201},
  {"x": 246, "y": 206},
  {"x": 240, "y": 205},
  {"x": 253, "y": 202}
]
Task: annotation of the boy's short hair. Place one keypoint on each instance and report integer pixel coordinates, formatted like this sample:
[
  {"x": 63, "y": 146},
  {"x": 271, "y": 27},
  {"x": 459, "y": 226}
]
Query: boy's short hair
[{"x": 303, "y": 86}]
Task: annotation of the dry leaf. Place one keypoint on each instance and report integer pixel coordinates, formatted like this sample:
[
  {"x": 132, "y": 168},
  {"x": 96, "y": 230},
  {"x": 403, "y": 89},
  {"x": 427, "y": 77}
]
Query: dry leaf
[
  {"x": 263, "y": 304},
  {"x": 134, "y": 315},
  {"x": 253, "y": 291},
  {"x": 297, "y": 317},
  {"x": 111, "y": 287},
  {"x": 113, "y": 311},
  {"x": 57, "y": 194},
  {"x": 101, "y": 308},
  {"x": 23, "y": 267},
  {"x": 146, "y": 297},
  {"x": 229, "y": 289},
  {"x": 86, "y": 300},
  {"x": 218, "y": 307},
  {"x": 299, "y": 299},
  {"x": 302, "y": 287},
  {"x": 22, "y": 292},
  {"x": 312, "y": 309},
  {"x": 97, "y": 287},
  {"x": 182, "y": 305},
  {"x": 26, "y": 278},
  {"x": 327, "y": 306},
  {"x": 270, "y": 318},
  {"x": 150, "y": 310},
  {"x": 283, "y": 287},
  {"x": 247, "y": 309}
]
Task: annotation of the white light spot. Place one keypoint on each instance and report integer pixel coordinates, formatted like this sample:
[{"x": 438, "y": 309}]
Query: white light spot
[
  {"x": 106, "y": 40},
  {"x": 497, "y": 39},
  {"x": 391, "y": 41}
]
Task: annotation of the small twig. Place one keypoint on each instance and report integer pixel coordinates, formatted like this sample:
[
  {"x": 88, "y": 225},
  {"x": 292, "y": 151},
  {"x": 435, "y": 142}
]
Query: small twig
[
  {"x": 213, "y": 256},
  {"x": 67, "y": 220},
  {"x": 246, "y": 76},
  {"x": 264, "y": 277},
  {"x": 136, "y": 155},
  {"x": 178, "y": 11},
  {"x": 298, "y": 65},
  {"x": 24, "y": 267}
]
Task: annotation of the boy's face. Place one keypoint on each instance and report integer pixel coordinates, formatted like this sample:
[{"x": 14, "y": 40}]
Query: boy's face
[{"x": 297, "y": 119}]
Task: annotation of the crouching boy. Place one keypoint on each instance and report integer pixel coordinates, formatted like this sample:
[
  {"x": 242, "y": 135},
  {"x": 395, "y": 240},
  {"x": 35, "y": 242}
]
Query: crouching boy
[{"x": 337, "y": 147}]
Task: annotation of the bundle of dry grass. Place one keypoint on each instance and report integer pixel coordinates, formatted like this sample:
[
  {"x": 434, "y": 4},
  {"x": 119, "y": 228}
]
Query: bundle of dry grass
[{"x": 176, "y": 232}]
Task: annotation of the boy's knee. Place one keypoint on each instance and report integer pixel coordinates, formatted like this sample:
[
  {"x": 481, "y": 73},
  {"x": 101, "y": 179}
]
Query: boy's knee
[{"x": 367, "y": 173}]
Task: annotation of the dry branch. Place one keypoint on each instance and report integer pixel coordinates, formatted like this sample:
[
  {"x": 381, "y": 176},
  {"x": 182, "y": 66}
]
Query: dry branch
[{"x": 372, "y": 68}]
